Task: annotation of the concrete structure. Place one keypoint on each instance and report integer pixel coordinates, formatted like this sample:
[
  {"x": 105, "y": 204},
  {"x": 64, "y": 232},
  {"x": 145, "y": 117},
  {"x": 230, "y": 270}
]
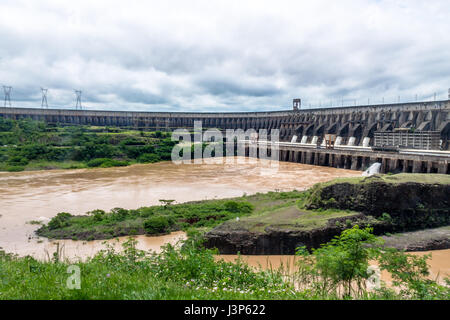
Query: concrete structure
[
  {"x": 354, "y": 129},
  {"x": 360, "y": 158}
]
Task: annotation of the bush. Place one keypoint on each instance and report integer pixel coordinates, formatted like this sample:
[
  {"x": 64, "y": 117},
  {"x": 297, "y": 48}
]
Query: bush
[
  {"x": 386, "y": 217},
  {"x": 157, "y": 225},
  {"x": 15, "y": 168},
  {"x": 106, "y": 163},
  {"x": 91, "y": 150},
  {"x": 97, "y": 214},
  {"x": 341, "y": 263},
  {"x": 238, "y": 207},
  {"x": 118, "y": 214},
  {"x": 60, "y": 221},
  {"x": 96, "y": 162},
  {"x": 149, "y": 158},
  {"x": 146, "y": 211},
  {"x": 18, "y": 161}
]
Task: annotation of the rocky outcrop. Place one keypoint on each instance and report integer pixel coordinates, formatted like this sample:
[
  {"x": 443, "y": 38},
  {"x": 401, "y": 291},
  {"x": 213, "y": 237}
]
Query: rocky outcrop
[
  {"x": 276, "y": 240},
  {"x": 423, "y": 240},
  {"x": 410, "y": 205},
  {"x": 385, "y": 206}
]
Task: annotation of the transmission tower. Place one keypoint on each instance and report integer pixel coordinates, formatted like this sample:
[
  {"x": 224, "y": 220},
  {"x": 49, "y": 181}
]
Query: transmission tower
[
  {"x": 78, "y": 94},
  {"x": 7, "y": 91},
  {"x": 44, "y": 98}
]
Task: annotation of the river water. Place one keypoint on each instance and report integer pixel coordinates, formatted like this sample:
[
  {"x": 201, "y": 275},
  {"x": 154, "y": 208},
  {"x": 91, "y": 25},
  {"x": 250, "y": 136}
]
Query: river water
[
  {"x": 439, "y": 264},
  {"x": 40, "y": 195}
]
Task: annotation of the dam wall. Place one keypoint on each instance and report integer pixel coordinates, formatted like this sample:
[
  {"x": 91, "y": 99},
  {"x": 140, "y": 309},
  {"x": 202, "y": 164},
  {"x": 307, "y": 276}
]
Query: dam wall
[
  {"x": 350, "y": 124},
  {"x": 403, "y": 137}
]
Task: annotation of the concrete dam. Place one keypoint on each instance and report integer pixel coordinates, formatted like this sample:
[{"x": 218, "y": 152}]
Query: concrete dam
[{"x": 403, "y": 137}]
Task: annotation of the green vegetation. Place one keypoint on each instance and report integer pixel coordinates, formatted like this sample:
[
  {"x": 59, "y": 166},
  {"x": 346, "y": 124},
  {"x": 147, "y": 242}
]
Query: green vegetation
[
  {"x": 255, "y": 212},
  {"x": 157, "y": 225},
  {"x": 32, "y": 145},
  {"x": 99, "y": 224},
  {"x": 338, "y": 270},
  {"x": 286, "y": 210},
  {"x": 393, "y": 178},
  {"x": 288, "y": 217}
]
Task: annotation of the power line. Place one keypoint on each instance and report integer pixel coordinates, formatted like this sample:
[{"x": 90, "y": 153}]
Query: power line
[{"x": 7, "y": 91}]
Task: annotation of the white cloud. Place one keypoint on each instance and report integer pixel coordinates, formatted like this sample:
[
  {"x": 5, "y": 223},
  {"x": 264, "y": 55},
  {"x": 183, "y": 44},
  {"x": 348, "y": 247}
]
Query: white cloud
[{"x": 223, "y": 55}]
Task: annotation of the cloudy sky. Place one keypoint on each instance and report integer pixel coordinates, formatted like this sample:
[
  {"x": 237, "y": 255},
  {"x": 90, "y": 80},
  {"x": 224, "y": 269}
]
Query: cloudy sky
[{"x": 223, "y": 55}]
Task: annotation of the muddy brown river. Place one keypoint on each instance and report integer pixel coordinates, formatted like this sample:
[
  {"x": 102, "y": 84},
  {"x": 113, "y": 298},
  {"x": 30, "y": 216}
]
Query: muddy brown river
[
  {"x": 439, "y": 263},
  {"x": 40, "y": 195}
]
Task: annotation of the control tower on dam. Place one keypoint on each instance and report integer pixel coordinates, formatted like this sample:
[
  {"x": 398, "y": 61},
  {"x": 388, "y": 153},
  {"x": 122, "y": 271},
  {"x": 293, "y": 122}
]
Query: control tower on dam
[{"x": 409, "y": 137}]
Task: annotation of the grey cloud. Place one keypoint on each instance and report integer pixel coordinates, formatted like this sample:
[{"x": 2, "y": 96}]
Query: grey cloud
[{"x": 223, "y": 57}]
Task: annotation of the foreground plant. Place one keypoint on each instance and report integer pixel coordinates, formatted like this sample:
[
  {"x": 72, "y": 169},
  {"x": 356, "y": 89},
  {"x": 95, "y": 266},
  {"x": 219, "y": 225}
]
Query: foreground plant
[
  {"x": 188, "y": 271},
  {"x": 341, "y": 269}
]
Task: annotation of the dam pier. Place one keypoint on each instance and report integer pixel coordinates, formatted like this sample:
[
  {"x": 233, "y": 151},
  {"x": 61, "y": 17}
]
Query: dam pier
[{"x": 404, "y": 137}]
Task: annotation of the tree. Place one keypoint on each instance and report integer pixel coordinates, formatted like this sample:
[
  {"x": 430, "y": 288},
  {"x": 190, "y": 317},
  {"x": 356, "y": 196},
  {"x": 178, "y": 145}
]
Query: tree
[{"x": 341, "y": 263}]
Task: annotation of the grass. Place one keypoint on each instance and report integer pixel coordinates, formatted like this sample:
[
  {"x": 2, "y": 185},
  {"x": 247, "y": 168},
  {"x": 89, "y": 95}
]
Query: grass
[
  {"x": 417, "y": 177},
  {"x": 175, "y": 274},
  {"x": 394, "y": 178},
  {"x": 288, "y": 217},
  {"x": 48, "y": 165},
  {"x": 191, "y": 272}
]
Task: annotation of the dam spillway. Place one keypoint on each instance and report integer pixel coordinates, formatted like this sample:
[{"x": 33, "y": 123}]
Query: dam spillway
[{"x": 404, "y": 137}]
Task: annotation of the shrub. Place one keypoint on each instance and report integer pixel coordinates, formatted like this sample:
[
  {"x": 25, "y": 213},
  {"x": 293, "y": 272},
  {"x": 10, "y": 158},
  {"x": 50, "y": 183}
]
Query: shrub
[
  {"x": 149, "y": 158},
  {"x": 96, "y": 162},
  {"x": 386, "y": 217},
  {"x": 106, "y": 163},
  {"x": 157, "y": 225},
  {"x": 114, "y": 163},
  {"x": 341, "y": 263},
  {"x": 238, "y": 207},
  {"x": 60, "y": 221},
  {"x": 18, "y": 161},
  {"x": 15, "y": 168},
  {"x": 118, "y": 214},
  {"x": 97, "y": 214},
  {"x": 146, "y": 211}
]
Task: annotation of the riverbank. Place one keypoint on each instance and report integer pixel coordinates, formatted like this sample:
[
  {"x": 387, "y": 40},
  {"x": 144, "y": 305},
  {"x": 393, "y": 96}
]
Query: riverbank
[{"x": 388, "y": 204}]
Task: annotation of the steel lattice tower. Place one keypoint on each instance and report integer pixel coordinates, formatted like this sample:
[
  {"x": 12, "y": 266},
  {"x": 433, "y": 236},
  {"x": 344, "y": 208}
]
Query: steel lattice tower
[
  {"x": 78, "y": 104},
  {"x": 7, "y": 91},
  {"x": 44, "y": 98}
]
